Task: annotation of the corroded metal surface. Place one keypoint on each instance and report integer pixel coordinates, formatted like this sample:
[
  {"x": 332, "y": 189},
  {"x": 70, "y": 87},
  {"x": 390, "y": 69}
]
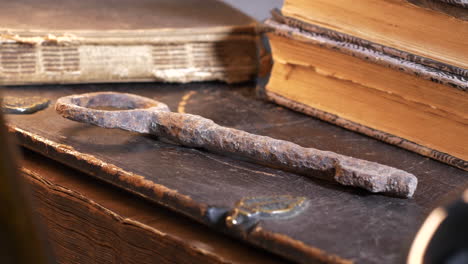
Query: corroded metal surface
[
  {"x": 148, "y": 116},
  {"x": 23, "y": 105},
  {"x": 249, "y": 210}
]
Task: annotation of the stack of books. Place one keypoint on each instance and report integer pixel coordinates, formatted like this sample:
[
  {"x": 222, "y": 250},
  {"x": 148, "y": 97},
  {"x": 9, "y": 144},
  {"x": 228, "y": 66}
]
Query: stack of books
[{"x": 395, "y": 70}]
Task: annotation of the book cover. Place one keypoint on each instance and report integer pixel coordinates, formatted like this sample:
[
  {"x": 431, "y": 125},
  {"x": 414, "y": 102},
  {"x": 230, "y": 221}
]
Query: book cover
[{"x": 207, "y": 187}]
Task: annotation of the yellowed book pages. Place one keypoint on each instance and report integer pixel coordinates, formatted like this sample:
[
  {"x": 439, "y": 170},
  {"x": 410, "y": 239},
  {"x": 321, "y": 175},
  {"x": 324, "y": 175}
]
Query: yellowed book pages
[
  {"x": 368, "y": 92},
  {"x": 419, "y": 27}
]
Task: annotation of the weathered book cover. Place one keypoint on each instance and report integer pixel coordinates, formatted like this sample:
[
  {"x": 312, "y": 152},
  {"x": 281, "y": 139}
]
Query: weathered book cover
[
  {"x": 209, "y": 187},
  {"x": 88, "y": 221},
  {"x": 120, "y": 41},
  {"x": 371, "y": 52}
]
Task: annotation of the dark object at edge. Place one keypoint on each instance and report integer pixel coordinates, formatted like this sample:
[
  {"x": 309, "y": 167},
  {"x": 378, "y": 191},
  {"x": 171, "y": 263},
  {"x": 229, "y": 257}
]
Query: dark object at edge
[
  {"x": 443, "y": 238},
  {"x": 21, "y": 241}
]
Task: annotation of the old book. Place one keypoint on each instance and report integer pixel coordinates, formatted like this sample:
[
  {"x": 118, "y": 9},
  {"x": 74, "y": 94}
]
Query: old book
[
  {"x": 431, "y": 29},
  {"x": 121, "y": 40},
  {"x": 369, "y": 91},
  {"x": 88, "y": 221},
  {"x": 209, "y": 187}
]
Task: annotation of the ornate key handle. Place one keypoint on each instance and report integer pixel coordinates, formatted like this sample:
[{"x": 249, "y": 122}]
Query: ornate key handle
[{"x": 144, "y": 115}]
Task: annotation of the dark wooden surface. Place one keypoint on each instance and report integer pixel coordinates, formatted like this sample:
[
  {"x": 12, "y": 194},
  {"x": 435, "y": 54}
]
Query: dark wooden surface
[
  {"x": 90, "y": 222},
  {"x": 349, "y": 223}
]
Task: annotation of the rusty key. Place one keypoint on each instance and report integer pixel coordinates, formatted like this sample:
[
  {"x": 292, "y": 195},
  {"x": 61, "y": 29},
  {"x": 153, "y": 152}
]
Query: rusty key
[{"x": 144, "y": 115}]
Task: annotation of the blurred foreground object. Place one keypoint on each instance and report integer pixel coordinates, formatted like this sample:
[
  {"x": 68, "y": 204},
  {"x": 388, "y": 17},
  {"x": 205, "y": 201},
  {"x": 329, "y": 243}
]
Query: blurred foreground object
[
  {"x": 443, "y": 238},
  {"x": 20, "y": 240}
]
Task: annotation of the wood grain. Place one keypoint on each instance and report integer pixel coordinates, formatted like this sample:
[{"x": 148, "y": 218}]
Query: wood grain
[{"x": 90, "y": 222}]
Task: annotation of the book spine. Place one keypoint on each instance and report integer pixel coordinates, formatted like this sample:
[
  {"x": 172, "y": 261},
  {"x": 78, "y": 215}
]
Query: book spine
[
  {"x": 377, "y": 134},
  {"x": 230, "y": 61}
]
